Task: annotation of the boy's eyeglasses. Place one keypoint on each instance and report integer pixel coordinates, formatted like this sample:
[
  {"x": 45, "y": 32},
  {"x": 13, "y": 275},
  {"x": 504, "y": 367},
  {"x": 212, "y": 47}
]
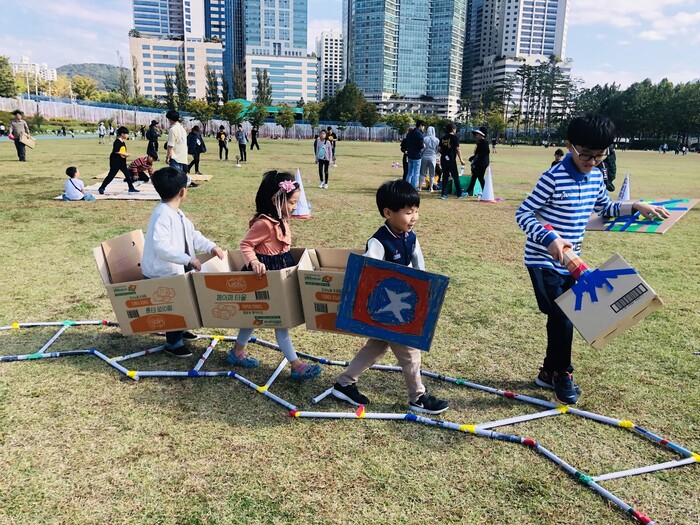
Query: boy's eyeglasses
[{"x": 586, "y": 157}]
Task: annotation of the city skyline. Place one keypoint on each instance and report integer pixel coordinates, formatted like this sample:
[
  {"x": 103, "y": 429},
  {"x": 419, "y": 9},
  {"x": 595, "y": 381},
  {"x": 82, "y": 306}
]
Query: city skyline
[{"x": 623, "y": 42}]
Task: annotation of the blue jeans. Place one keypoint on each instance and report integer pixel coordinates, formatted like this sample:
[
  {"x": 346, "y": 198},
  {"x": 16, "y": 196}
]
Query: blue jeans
[
  {"x": 175, "y": 164},
  {"x": 413, "y": 172}
]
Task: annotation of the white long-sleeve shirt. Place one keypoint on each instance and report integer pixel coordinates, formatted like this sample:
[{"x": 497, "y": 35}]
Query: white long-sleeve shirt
[{"x": 164, "y": 250}]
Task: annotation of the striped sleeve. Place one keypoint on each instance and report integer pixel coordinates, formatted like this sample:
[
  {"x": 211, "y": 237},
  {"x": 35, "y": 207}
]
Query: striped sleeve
[{"x": 525, "y": 215}]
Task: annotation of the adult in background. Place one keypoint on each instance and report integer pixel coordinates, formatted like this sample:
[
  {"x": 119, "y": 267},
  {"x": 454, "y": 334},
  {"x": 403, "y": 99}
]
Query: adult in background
[
  {"x": 449, "y": 153},
  {"x": 101, "y": 132},
  {"x": 152, "y": 135},
  {"x": 18, "y": 126},
  {"x": 242, "y": 139},
  {"x": 254, "y": 138},
  {"x": 323, "y": 153},
  {"x": 332, "y": 138},
  {"x": 176, "y": 156},
  {"x": 195, "y": 147},
  {"x": 609, "y": 169},
  {"x": 429, "y": 157},
  {"x": 414, "y": 148},
  {"x": 480, "y": 160}
]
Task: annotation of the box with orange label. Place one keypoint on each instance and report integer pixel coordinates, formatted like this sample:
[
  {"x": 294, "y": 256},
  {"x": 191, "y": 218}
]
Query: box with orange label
[
  {"x": 144, "y": 305},
  {"x": 230, "y": 298},
  {"x": 321, "y": 276}
]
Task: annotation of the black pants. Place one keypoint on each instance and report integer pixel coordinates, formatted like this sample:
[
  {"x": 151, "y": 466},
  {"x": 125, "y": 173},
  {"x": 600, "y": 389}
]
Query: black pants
[
  {"x": 113, "y": 170},
  {"x": 254, "y": 142},
  {"x": 223, "y": 146},
  {"x": 477, "y": 174},
  {"x": 195, "y": 163},
  {"x": 241, "y": 151},
  {"x": 152, "y": 148},
  {"x": 449, "y": 169},
  {"x": 549, "y": 285},
  {"x": 404, "y": 165},
  {"x": 21, "y": 150},
  {"x": 323, "y": 170}
]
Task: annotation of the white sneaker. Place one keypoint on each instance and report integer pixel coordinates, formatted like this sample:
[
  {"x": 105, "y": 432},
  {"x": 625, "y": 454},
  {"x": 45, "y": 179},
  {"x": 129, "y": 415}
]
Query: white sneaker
[
  {"x": 325, "y": 186},
  {"x": 335, "y": 165},
  {"x": 321, "y": 185}
]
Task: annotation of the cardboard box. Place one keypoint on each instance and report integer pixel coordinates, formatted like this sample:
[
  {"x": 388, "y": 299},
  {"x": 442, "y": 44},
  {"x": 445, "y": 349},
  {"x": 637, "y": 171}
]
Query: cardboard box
[
  {"x": 321, "y": 276},
  {"x": 230, "y": 298},
  {"x": 144, "y": 305},
  {"x": 630, "y": 300}
]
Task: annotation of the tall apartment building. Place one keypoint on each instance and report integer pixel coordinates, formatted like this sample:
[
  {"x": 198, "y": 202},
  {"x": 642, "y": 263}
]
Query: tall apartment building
[
  {"x": 26, "y": 68},
  {"x": 329, "y": 50},
  {"x": 503, "y": 35},
  {"x": 275, "y": 40},
  {"x": 406, "y": 55},
  {"x": 173, "y": 32}
]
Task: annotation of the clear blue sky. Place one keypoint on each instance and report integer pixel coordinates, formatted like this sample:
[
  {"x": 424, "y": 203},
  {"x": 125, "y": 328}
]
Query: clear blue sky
[{"x": 619, "y": 41}]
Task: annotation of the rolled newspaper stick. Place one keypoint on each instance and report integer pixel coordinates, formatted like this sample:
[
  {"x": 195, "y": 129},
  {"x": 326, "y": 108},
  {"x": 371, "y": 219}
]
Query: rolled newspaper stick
[{"x": 573, "y": 262}]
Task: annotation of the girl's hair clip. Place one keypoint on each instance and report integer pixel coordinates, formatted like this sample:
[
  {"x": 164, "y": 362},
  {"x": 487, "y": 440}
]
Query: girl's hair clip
[{"x": 287, "y": 186}]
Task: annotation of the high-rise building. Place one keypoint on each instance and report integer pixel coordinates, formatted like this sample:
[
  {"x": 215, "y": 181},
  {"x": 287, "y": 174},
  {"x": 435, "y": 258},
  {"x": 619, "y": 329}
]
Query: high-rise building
[
  {"x": 172, "y": 33},
  {"x": 275, "y": 40},
  {"x": 26, "y": 68},
  {"x": 406, "y": 55},
  {"x": 505, "y": 34},
  {"x": 329, "y": 50},
  {"x": 224, "y": 22}
]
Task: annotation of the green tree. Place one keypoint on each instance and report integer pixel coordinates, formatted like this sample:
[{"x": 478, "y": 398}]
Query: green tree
[
  {"x": 84, "y": 88},
  {"x": 238, "y": 83},
  {"x": 202, "y": 111},
  {"x": 134, "y": 33},
  {"x": 8, "y": 87},
  {"x": 257, "y": 113},
  {"x": 123, "y": 79},
  {"x": 212, "y": 91},
  {"x": 232, "y": 112},
  {"x": 343, "y": 123},
  {"x": 494, "y": 121},
  {"x": 312, "y": 110},
  {"x": 225, "y": 89},
  {"x": 368, "y": 116},
  {"x": 301, "y": 103},
  {"x": 263, "y": 91},
  {"x": 348, "y": 100},
  {"x": 399, "y": 121},
  {"x": 284, "y": 118},
  {"x": 183, "y": 91},
  {"x": 170, "y": 101},
  {"x": 135, "y": 78}
]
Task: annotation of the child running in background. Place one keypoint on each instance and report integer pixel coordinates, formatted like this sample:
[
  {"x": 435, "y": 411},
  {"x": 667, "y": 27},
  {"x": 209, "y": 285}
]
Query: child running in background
[
  {"x": 266, "y": 247},
  {"x": 171, "y": 241},
  {"x": 74, "y": 189},
  {"x": 142, "y": 168},
  {"x": 117, "y": 161},
  {"x": 564, "y": 197},
  {"x": 395, "y": 241}
]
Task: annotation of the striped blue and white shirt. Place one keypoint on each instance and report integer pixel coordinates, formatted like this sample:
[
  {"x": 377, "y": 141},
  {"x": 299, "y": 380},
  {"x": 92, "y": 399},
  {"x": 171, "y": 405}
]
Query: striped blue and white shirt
[{"x": 563, "y": 197}]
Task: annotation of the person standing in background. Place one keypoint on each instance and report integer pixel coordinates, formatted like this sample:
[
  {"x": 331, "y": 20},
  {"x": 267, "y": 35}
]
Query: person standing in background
[
  {"x": 18, "y": 127},
  {"x": 254, "y": 138}
]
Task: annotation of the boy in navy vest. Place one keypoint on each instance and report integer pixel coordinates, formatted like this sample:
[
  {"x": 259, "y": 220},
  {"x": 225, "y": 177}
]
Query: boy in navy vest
[{"x": 398, "y": 203}]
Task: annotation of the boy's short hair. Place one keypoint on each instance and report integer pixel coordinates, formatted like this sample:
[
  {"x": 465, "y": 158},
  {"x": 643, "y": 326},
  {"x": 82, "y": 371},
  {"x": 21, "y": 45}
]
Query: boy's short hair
[
  {"x": 71, "y": 171},
  {"x": 168, "y": 182},
  {"x": 449, "y": 127},
  {"x": 559, "y": 153},
  {"x": 591, "y": 131},
  {"x": 221, "y": 127},
  {"x": 395, "y": 195},
  {"x": 122, "y": 130},
  {"x": 240, "y": 125},
  {"x": 172, "y": 115},
  {"x": 153, "y": 155},
  {"x": 195, "y": 129},
  {"x": 419, "y": 123}
]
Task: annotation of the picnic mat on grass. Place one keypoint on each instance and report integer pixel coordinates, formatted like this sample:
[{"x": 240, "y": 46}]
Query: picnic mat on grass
[
  {"x": 196, "y": 178},
  {"x": 118, "y": 190}
]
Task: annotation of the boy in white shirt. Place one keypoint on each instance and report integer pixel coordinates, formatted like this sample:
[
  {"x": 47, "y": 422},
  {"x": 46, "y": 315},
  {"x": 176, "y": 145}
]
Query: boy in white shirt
[
  {"x": 74, "y": 189},
  {"x": 171, "y": 241}
]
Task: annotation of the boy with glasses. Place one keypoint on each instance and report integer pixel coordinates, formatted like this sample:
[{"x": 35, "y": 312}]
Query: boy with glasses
[{"x": 564, "y": 198}]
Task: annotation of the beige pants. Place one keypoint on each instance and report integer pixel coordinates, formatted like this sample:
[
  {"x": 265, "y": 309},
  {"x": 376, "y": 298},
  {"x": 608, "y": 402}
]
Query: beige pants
[{"x": 409, "y": 359}]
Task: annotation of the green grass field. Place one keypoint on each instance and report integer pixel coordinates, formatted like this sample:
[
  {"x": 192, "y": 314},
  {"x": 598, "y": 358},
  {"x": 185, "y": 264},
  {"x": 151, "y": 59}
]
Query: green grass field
[{"x": 80, "y": 444}]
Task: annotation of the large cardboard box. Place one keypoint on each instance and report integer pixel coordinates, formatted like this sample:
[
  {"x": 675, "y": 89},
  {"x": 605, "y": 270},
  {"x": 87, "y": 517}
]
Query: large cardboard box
[
  {"x": 144, "y": 305},
  {"x": 230, "y": 298},
  {"x": 321, "y": 276},
  {"x": 630, "y": 300}
]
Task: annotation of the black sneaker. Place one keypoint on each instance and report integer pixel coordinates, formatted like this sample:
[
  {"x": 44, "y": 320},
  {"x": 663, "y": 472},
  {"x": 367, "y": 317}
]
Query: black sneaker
[
  {"x": 189, "y": 335},
  {"x": 350, "y": 394},
  {"x": 429, "y": 405},
  {"x": 180, "y": 351},
  {"x": 544, "y": 379},
  {"x": 565, "y": 389}
]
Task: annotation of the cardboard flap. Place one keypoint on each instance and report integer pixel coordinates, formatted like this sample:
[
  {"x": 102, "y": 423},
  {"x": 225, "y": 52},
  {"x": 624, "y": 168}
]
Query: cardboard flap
[
  {"x": 123, "y": 255},
  {"x": 213, "y": 264},
  {"x": 334, "y": 259}
]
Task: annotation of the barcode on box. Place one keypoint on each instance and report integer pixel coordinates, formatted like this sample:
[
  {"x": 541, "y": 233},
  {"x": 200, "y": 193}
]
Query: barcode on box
[
  {"x": 262, "y": 296},
  {"x": 321, "y": 308},
  {"x": 132, "y": 314},
  {"x": 630, "y": 297}
]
